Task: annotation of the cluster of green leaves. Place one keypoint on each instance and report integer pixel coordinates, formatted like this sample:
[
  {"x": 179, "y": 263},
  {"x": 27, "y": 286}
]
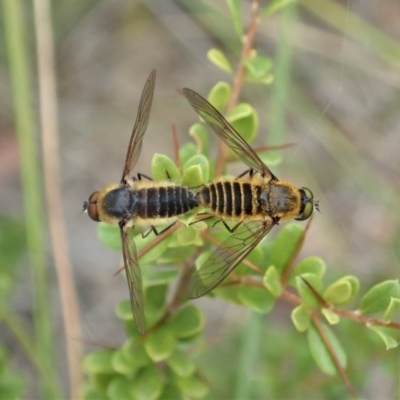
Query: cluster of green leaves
[{"x": 154, "y": 367}]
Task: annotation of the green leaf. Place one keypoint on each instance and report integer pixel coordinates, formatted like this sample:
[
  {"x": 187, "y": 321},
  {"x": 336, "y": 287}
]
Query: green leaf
[
  {"x": 219, "y": 96},
  {"x": 155, "y": 297},
  {"x": 193, "y": 176},
  {"x": 275, "y": 6},
  {"x": 330, "y": 316},
  {"x": 187, "y": 151},
  {"x": 342, "y": 291},
  {"x": 88, "y": 392},
  {"x": 199, "y": 133},
  {"x": 308, "y": 297},
  {"x": 134, "y": 351},
  {"x": 98, "y": 362},
  {"x": 119, "y": 388},
  {"x": 171, "y": 392},
  {"x": 258, "y": 68},
  {"x": 155, "y": 252},
  {"x": 162, "y": 167},
  {"x": 392, "y": 309},
  {"x": 256, "y": 257},
  {"x": 109, "y": 235},
  {"x": 160, "y": 343},
  {"x": 181, "y": 364},
  {"x": 101, "y": 381},
  {"x": 202, "y": 161},
  {"x": 148, "y": 384},
  {"x": 234, "y": 8},
  {"x": 120, "y": 363},
  {"x": 191, "y": 386},
  {"x": 272, "y": 281},
  {"x": 155, "y": 276},
  {"x": 301, "y": 318},
  {"x": 378, "y": 298},
  {"x": 187, "y": 322},
  {"x": 124, "y": 310},
  {"x": 309, "y": 265},
  {"x": 321, "y": 354},
  {"x": 387, "y": 336},
  {"x": 338, "y": 292},
  {"x": 172, "y": 256},
  {"x": 187, "y": 236},
  {"x": 244, "y": 119},
  {"x": 284, "y": 246},
  {"x": 270, "y": 158},
  {"x": 258, "y": 299},
  {"x": 217, "y": 57}
]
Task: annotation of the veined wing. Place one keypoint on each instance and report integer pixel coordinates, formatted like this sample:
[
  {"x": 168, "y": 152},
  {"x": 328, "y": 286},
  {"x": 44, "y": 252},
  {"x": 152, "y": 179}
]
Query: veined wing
[
  {"x": 217, "y": 122},
  {"x": 227, "y": 256},
  {"x": 134, "y": 277},
  {"x": 139, "y": 129}
]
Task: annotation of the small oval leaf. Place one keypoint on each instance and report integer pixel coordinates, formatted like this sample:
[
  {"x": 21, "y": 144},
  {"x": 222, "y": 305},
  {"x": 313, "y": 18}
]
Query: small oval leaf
[
  {"x": 219, "y": 96},
  {"x": 301, "y": 318},
  {"x": 189, "y": 321},
  {"x": 218, "y": 58},
  {"x": 193, "y": 176},
  {"x": 160, "y": 343},
  {"x": 202, "y": 161},
  {"x": 272, "y": 281},
  {"x": 320, "y": 352},
  {"x": 392, "y": 310},
  {"x": 377, "y": 299},
  {"x": 199, "y": 133},
  {"x": 163, "y": 167},
  {"x": 258, "y": 299}
]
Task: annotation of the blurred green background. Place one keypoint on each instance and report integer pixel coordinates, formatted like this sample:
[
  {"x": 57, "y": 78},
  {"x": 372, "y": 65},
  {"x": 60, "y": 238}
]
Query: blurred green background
[{"x": 341, "y": 109}]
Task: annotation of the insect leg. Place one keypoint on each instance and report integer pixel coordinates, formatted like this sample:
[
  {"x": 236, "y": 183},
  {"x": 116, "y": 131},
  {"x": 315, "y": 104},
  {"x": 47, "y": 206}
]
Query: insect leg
[
  {"x": 248, "y": 171},
  {"x": 204, "y": 217},
  {"x": 140, "y": 176},
  {"x": 231, "y": 230},
  {"x": 153, "y": 229}
]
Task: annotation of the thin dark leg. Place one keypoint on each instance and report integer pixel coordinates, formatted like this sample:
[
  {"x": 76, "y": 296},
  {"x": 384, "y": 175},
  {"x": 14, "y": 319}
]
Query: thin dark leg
[
  {"x": 231, "y": 230},
  {"x": 153, "y": 229},
  {"x": 248, "y": 171},
  {"x": 140, "y": 176}
]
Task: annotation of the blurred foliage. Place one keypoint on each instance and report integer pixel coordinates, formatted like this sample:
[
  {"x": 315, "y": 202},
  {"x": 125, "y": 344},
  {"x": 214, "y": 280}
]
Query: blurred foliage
[{"x": 332, "y": 315}]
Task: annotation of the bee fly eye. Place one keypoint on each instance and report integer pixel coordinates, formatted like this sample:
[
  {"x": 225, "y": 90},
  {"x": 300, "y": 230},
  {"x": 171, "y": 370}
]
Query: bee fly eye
[
  {"x": 91, "y": 206},
  {"x": 307, "y": 204}
]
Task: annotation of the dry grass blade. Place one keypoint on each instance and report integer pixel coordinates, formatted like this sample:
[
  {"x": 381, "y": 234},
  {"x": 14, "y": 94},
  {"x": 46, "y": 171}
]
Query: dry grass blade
[{"x": 49, "y": 118}]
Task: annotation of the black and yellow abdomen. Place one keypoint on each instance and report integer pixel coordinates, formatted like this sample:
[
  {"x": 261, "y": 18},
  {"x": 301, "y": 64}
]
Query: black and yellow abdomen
[
  {"x": 144, "y": 202},
  {"x": 237, "y": 199},
  {"x": 164, "y": 201}
]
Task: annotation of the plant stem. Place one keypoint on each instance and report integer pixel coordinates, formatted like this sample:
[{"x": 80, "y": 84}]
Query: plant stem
[
  {"x": 51, "y": 167},
  {"x": 30, "y": 181}
]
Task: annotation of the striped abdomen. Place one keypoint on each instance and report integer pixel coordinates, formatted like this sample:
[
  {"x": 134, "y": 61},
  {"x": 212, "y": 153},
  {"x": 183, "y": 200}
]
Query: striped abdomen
[
  {"x": 232, "y": 199},
  {"x": 164, "y": 201}
]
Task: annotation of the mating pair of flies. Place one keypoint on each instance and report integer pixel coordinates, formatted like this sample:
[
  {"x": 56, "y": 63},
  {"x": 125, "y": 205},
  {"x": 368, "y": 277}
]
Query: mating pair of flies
[{"x": 256, "y": 200}]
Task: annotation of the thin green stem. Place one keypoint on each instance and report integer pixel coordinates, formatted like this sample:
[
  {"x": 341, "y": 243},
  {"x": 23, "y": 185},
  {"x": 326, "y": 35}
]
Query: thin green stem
[
  {"x": 23, "y": 338},
  {"x": 249, "y": 353},
  {"x": 282, "y": 72},
  {"x": 31, "y": 186}
]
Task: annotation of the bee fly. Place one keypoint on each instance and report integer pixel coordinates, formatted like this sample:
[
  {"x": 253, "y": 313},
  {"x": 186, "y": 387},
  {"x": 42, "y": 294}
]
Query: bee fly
[
  {"x": 257, "y": 200},
  {"x": 139, "y": 202}
]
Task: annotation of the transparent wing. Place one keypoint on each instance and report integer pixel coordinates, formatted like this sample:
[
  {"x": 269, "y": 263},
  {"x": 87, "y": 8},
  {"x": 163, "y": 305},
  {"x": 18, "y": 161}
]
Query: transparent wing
[
  {"x": 217, "y": 122},
  {"x": 139, "y": 129},
  {"x": 134, "y": 277},
  {"x": 227, "y": 256}
]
